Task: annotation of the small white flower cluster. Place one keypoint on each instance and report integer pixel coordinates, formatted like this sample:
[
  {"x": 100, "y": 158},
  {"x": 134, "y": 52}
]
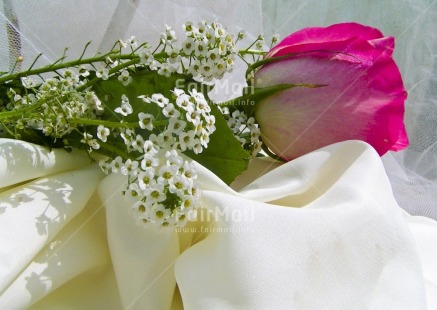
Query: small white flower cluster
[
  {"x": 164, "y": 187},
  {"x": 59, "y": 102},
  {"x": 245, "y": 129},
  {"x": 207, "y": 53},
  {"x": 190, "y": 122},
  {"x": 259, "y": 43}
]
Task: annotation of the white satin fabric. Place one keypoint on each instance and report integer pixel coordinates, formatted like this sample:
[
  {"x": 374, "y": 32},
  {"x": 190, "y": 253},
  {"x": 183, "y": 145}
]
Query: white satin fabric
[{"x": 321, "y": 232}]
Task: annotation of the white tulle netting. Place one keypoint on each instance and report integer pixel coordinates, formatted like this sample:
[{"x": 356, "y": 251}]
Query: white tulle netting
[{"x": 31, "y": 27}]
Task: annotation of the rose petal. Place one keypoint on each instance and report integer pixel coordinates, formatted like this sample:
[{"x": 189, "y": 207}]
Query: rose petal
[
  {"x": 362, "y": 100},
  {"x": 326, "y": 35}
]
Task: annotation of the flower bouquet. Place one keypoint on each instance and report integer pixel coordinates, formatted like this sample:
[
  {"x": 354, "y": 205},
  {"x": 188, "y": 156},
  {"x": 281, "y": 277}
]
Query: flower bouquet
[
  {"x": 143, "y": 111},
  {"x": 273, "y": 199}
]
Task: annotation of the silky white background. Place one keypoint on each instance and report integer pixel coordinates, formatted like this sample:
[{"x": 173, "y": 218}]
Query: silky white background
[{"x": 110, "y": 263}]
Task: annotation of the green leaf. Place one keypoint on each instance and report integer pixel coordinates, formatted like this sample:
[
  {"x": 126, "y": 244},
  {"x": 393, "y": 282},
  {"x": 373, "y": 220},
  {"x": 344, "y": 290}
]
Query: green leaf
[
  {"x": 224, "y": 156},
  {"x": 143, "y": 83},
  {"x": 254, "y": 95}
]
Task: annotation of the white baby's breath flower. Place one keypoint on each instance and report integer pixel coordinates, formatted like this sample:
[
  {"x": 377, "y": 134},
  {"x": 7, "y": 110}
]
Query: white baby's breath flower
[
  {"x": 122, "y": 43},
  {"x": 170, "y": 111},
  {"x": 134, "y": 191},
  {"x": 146, "y": 179},
  {"x": 137, "y": 144},
  {"x": 193, "y": 117},
  {"x": 160, "y": 100},
  {"x": 125, "y": 109},
  {"x": 176, "y": 125},
  {"x": 201, "y": 49},
  {"x": 155, "y": 193},
  {"x": 149, "y": 161},
  {"x": 102, "y": 133},
  {"x": 173, "y": 158},
  {"x": 165, "y": 69},
  {"x": 186, "y": 140},
  {"x": 132, "y": 42},
  {"x": 150, "y": 147},
  {"x": 188, "y": 28},
  {"x": 183, "y": 101},
  {"x": 105, "y": 166},
  {"x": 146, "y": 57},
  {"x": 130, "y": 167},
  {"x": 166, "y": 173},
  {"x": 90, "y": 141},
  {"x": 241, "y": 35},
  {"x": 125, "y": 78},
  {"x": 139, "y": 209},
  {"x": 189, "y": 170},
  {"x": 178, "y": 184},
  {"x": 169, "y": 36},
  {"x": 197, "y": 148},
  {"x": 275, "y": 38},
  {"x": 166, "y": 139},
  {"x": 174, "y": 56},
  {"x": 28, "y": 82},
  {"x": 146, "y": 120},
  {"x": 103, "y": 73},
  {"x": 159, "y": 214},
  {"x": 83, "y": 71},
  {"x": 188, "y": 46}
]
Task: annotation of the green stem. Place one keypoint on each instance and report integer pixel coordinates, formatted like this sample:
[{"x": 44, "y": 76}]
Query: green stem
[
  {"x": 111, "y": 71},
  {"x": 257, "y": 93},
  {"x": 7, "y": 129},
  {"x": 272, "y": 155},
  {"x": 113, "y": 150},
  {"x": 86, "y": 121},
  {"x": 251, "y": 52},
  {"x": 134, "y": 60},
  {"x": 248, "y": 101},
  {"x": 53, "y": 67},
  {"x": 264, "y": 61},
  {"x": 63, "y": 65},
  {"x": 21, "y": 112},
  {"x": 96, "y": 122},
  {"x": 160, "y": 123}
]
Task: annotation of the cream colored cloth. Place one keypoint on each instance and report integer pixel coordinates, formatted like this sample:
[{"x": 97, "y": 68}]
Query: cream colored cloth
[{"x": 320, "y": 232}]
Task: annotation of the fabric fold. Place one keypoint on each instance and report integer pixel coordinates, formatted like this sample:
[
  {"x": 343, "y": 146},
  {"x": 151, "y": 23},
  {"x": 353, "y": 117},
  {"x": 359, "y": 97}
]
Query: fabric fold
[
  {"x": 142, "y": 255},
  {"x": 33, "y": 213},
  {"x": 322, "y": 231},
  {"x": 21, "y": 161},
  {"x": 348, "y": 247},
  {"x": 78, "y": 249}
]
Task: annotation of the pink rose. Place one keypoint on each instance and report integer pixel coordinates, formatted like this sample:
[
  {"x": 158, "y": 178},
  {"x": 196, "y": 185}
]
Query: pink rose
[{"x": 363, "y": 97}]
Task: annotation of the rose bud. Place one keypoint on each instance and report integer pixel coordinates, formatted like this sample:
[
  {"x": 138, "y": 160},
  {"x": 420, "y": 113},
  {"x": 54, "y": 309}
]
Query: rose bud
[{"x": 362, "y": 97}]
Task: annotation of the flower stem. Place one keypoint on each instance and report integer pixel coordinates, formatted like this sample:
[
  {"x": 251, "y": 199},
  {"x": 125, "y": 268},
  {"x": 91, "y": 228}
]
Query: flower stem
[
  {"x": 86, "y": 121},
  {"x": 54, "y": 67},
  {"x": 269, "y": 153},
  {"x": 96, "y": 122},
  {"x": 113, "y": 150},
  {"x": 20, "y": 112},
  {"x": 251, "y": 52},
  {"x": 134, "y": 60},
  {"x": 57, "y": 66},
  {"x": 111, "y": 71}
]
